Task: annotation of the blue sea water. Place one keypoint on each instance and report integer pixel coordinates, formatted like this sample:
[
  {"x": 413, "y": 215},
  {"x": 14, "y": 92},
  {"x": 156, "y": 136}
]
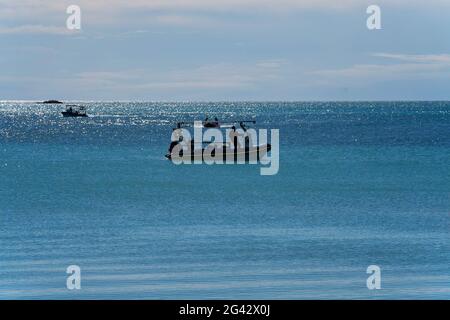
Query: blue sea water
[{"x": 361, "y": 183}]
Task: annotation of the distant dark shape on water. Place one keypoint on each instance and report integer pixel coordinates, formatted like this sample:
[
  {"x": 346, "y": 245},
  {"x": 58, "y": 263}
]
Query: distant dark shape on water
[
  {"x": 73, "y": 110},
  {"x": 52, "y": 102}
]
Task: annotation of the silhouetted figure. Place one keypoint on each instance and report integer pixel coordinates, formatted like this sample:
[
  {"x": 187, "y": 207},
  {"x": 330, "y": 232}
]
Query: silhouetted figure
[{"x": 234, "y": 137}]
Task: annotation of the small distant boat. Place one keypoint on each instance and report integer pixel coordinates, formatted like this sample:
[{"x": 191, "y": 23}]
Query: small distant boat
[
  {"x": 73, "y": 110},
  {"x": 52, "y": 102}
]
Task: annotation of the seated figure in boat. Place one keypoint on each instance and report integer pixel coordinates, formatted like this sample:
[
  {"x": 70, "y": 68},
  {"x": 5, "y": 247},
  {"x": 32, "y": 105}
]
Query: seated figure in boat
[{"x": 211, "y": 124}]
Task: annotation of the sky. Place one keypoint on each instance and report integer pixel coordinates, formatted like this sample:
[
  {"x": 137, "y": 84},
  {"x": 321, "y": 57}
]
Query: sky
[{"x": 224, "y": 50}]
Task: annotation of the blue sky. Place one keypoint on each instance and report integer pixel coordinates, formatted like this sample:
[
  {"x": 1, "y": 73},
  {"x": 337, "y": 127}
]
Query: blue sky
[{"x": 225, "y": 50}]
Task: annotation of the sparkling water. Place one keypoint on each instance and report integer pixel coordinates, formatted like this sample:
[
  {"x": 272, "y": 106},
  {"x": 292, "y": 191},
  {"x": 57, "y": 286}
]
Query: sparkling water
[{"x": 361, "y": 183}]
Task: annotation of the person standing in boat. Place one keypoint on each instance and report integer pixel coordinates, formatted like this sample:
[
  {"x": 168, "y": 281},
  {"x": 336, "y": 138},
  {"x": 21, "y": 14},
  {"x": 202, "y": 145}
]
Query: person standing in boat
[
  {"x": 234, "y": 135},
  {"x": 177, "y": 137},
  {"x": 176, "y": 134},
  {"x": 247, "y": 136},
  {"x": 174, "y": 143}
]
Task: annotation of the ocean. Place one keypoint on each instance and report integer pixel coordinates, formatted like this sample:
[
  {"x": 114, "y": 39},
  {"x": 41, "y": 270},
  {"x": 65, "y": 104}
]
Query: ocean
[{"x": 359, "y": 184}]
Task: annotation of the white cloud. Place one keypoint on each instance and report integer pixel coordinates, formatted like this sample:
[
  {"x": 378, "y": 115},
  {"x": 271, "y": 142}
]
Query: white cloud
[
  {"x": 39, "y": 6},
  {"x": 36, "y": 29},
  {"x": 377, "y": 70},
  {"x": 274, "y": 63},
  {"x": 118, "y": 11},
  {"x": 184, "y": 20},
  {"x": 211, "y": 5},
  {"x": 405, "y": 66},
  {"x": 202, "y": 81},
  {"x": 423, "y": 58},
  {"x": 219, "y": 76}
]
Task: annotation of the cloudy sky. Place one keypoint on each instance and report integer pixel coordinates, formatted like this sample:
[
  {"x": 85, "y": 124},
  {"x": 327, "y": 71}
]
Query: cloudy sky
[{"x": 225, "y": 50}]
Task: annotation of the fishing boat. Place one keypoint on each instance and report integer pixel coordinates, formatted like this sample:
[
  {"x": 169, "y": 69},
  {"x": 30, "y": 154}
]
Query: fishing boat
[
  {"x": 73, "y": 110},
  {"x": 216, "y": 150}
]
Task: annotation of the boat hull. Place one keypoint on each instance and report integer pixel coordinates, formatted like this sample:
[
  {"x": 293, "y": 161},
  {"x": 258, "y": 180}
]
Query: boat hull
[
  {"x": 243, "y": 154},
  {"x": 73, "y": 115}
]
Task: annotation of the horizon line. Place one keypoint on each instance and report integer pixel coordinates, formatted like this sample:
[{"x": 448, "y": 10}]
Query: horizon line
[{"x": 225, "y": 101}]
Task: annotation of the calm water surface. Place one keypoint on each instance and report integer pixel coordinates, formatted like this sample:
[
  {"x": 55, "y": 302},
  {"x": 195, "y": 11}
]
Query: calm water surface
[{"x": 359, "y": 183}]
